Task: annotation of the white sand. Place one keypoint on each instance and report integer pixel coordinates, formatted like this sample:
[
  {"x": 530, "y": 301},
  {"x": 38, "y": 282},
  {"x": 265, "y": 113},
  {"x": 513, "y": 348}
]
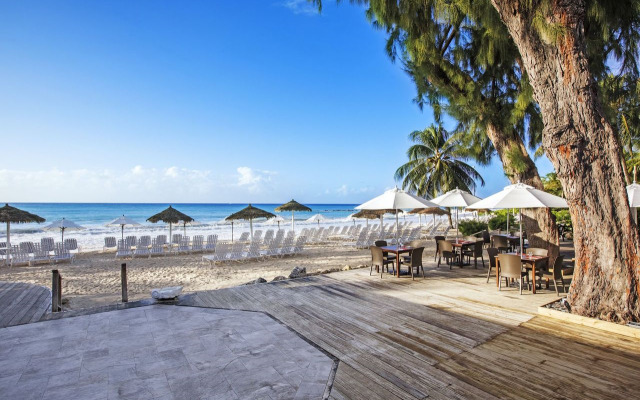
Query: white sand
[{"x": 94, "y": 278}]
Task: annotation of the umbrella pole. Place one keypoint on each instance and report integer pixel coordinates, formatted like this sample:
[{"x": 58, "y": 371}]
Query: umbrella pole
[
  {"x": 367, "y": 219},
  {"x": 508, "y": 220},
  {"x": 522, "y": 240},
  {"x": 8, "y": 242},
  {"x": 397, "y": 244},
  {"x": 170, "y": 237},
  {"x": 62, "y": 231},
  {"x": 293, "y": 225},
  {"x": 381, "y": 226},
  {"x": 231, "y": 231},
  {"x": 184, "y": 228},
  {"x": 457, "y": 227},
  {"x": 122, "y": 228},
  {"x": 251, "y": 226}
]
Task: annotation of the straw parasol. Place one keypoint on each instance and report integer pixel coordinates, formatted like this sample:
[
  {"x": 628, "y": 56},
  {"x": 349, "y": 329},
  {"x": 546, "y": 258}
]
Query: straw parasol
[
  {"x": 63, "y": 225},
  {"x": 121, "y": 222},
  {"x": 250, "y": 212},
  {"x": 276, "y": 220},
  {"x": 14, "y": 215},
  {"x": 317, "y": 218},
  {"x": 373, "y": 214},
  {"x": 292, "y": 206},
  {"x": 429, "y": 210},
  {"x": 170, "y": 216}
]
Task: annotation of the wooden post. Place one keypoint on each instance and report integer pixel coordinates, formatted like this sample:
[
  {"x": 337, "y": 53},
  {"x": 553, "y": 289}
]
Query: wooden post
[
  {"x": 56, "y": 291},
  {"x": 123, "y": 278}
]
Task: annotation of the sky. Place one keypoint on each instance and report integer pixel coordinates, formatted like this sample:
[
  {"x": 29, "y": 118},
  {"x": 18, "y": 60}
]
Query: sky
[{"x": 202, "y": 102}]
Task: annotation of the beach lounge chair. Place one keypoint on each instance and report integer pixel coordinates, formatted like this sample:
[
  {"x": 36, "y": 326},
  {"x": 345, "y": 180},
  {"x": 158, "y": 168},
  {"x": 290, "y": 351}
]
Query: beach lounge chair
[
  {"x": 26, "y": 247},
  {"x": 47, "y": 244},
  {"x": 299, "y": 246},
  {"x": 142, "y": 249},
  {"x": 176, "y": 239},
  {"x": 244, "y": 237},
  {"x": 109, "y": 243},
  {"x": 161, "y": 240},
  {"x": 71, "y": 245},
  {"x": 123, "y": 249},
  {"x": 61, "y": 254},
  {"x": 157, "y": 248},
  {"x": 237, "y": 251},
  {"x": 183, "y": 246},
  {"x": 131, "y": 241},
  {"x": 268, "y": 237},
  {"x": 19, "y": 257},
  {"x": 144, "y": 241},
  {"x": 198, "y": 243},
  {"x": 257, "y": 236},
  {"x": 221, "y": 254},
  {"x": 212, "y": 240},
  {"x": 39, "y": 255}
]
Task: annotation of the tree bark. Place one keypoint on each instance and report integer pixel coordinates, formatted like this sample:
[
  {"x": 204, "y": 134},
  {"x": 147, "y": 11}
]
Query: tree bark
[
  {"x": 538, "y": 223},
  {"x": 586, "y": 154}
]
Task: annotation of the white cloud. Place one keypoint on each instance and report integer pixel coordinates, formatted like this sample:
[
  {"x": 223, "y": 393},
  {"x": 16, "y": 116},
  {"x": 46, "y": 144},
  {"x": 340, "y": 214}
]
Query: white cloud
[
  {"x": 253, "y": 179},
  {"x": 300, "y": 7},
  {"x": 345, "y": 190},
  {"x": 137, "y": 184}
]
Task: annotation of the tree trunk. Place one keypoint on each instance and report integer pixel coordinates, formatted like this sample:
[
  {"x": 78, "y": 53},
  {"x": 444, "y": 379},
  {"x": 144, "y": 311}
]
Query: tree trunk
[
  {"x": 450, "y": 219},
  {"x": 586, "y": 154},
  {"x": 538, "y": 223}
]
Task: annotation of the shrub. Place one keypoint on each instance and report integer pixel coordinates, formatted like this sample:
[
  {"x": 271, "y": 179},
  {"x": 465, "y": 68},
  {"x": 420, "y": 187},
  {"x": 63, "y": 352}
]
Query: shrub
[
  {"x": 470, "y": 227},
  {"x": 499, "y": 222}
]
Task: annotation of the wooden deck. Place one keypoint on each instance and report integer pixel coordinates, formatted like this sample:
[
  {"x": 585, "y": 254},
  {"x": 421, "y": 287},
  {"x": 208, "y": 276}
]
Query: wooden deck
[
  {"x": 451, "y": 335},
  {"x": 21, "y": 303}
]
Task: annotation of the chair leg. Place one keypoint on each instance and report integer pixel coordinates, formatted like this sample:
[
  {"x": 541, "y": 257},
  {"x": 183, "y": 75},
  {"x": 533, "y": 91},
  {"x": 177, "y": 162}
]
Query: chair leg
[
  {"x": 489, "y": 273},
  {"x": 422, "y": 266},
  {"x": 411, "y": 268},
  {"x": 563, "y": 287},
  {"x": 482, "y": 258},
  {"x": 499, "y": 284},
  {"x": 521, "y": 282},
  {"x": 439, "y": 258},
  {"x": 555, "y": 285}
]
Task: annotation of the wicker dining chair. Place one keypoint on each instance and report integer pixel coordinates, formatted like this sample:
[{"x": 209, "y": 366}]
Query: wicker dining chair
[
  {"x": 378, "y": 260},
  {"x": 447, "y": 251},
  {"x": 510, "y": 267}
]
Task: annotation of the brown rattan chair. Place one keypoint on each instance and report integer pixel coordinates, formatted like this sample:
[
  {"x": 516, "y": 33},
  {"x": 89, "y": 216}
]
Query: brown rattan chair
[
  {"x": 387, "y": 256},
  {"x": 558, "y": 273},
  {"x": 510, "y": 267},
  {"x": 475, "y": 252},
  {"x": 501, "y": 243},
  {"x": 437, "y": 239},
  {"x": 486, "y": 238},
  {"x": 416, "y": 261},
  {"x": 447, "y": 251},
  {"x": 378, "y": 260},
  {"x": 493, "y": 253}
]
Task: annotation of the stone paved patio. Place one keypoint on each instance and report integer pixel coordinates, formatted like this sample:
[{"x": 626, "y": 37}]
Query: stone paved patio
[{"x": 161, "y": 352}]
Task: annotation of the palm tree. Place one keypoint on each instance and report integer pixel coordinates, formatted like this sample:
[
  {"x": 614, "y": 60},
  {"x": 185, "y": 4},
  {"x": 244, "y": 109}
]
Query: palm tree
[{"x": 436, "y": 164}]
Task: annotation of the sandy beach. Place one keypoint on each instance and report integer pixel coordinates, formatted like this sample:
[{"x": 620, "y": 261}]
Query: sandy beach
[{"x": 93, "y": 279}]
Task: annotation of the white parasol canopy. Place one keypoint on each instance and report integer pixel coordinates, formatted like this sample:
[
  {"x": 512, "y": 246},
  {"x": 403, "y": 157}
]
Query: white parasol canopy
[
  {"x": 317, "y": 218},
  {"x": 63, "y": 225},
  {"x": 633, "y": 192},
  {"x": 520, "y": 196},
  {"x": 277, "y": 220},
  {"x": 396, "y": 199},
  {"x": 121, "y": 222},
  {"x": 456, "y": 198}
]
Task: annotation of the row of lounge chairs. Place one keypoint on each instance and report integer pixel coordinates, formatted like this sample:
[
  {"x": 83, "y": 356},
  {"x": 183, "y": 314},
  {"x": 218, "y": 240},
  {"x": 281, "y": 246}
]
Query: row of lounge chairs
[
  {"x": 368, "y": 237},
  {"x": 241, "y": 251},
  {"x": 34, "y": 253}
]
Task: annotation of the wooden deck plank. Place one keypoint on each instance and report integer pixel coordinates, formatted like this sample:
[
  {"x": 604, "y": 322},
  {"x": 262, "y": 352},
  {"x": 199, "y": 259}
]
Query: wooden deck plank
[
  {"x": 452, "y": 337},
  {"x": 22, "y": 303}
]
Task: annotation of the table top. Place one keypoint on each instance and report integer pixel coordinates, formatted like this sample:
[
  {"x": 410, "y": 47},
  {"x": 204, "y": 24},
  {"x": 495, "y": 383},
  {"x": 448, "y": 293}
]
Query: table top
[
  {"x": 528, "y": 257},
  {"x": 397, "y": 249},
  {"x": 462, "y": 242}
]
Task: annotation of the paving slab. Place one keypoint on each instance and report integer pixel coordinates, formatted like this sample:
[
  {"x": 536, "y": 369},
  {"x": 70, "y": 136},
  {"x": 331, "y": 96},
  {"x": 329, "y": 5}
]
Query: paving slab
[{"x": 161, "y": 352}]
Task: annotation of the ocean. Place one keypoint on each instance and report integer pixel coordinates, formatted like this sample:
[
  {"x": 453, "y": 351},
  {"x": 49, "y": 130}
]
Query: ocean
[{"x": 209, "y": 218}]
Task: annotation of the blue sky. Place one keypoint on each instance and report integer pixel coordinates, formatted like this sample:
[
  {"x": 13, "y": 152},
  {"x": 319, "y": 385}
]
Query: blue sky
[{"x": 199, "y": 101}]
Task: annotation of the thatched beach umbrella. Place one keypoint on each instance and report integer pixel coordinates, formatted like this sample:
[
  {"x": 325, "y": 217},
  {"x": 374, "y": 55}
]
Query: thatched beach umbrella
[
  {"x": 63, "y": 225},
  {"x": 276, "y": 220},
  {"x": 250, "y": 212},
  {"x": 14, "y": 215},
  {"x": 170, "y": 216},
  {"x": 430, "y": 210},
  {"x": 373, "y": 214},
  {"x": 292, "y": 206}
]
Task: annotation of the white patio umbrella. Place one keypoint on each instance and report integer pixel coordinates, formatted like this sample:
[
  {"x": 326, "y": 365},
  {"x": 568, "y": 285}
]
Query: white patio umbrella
[
  {"x": 276, "y": 220},
  {"x": 520, "y": 196},
  {"x": 317, "y": 218},
  {"x": 456, "y": 198},
  {"x": 396, "y": 199},
  {"x": 63, "y": 225},
  {"x": 633, "y": 192},
  {"x": 121, "y": 222}
]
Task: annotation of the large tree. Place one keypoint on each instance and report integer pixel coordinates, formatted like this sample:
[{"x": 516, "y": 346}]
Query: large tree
[{"x": 564, "y": 47}]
